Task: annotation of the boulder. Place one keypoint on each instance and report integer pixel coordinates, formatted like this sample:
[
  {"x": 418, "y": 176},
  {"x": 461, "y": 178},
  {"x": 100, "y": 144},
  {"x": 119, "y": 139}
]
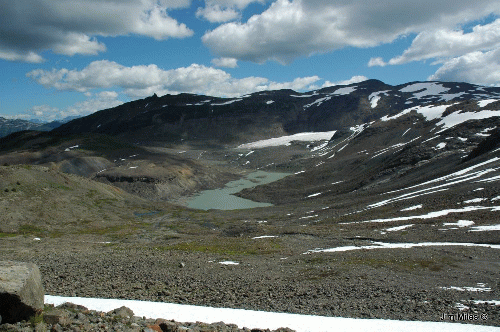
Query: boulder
[{"x": 21, "y": 291}]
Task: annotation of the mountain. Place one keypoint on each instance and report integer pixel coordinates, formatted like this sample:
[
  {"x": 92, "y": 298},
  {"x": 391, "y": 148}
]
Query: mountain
[
  {"x": 8, "y": 126},
  {"x": 388, "y": 207},
  {"x": 269, "y": 113}
]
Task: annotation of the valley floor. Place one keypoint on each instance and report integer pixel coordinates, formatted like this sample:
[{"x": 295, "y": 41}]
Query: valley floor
[{"x": 401, "y": 284}]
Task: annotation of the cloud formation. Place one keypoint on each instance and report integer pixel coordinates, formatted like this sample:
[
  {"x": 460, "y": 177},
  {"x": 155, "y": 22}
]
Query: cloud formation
[
  {"x": 141, "y": 81},
  {"x": 225, "y": 62},
  {"x": 464, "y": 56},
  {"x": 218, "y": 11},
  {"x": 69, "y": 27},
  {"x": 95, "y": 102},
  {"x": 474, "y": 67},
  {"x": 289, "y": 29}
]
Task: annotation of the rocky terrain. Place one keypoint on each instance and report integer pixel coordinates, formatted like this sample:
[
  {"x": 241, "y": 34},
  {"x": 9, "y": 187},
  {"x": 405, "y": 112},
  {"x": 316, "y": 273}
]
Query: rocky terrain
[
  {"x": 390, "y": 208},
  {"x": 71, "y": 317}
]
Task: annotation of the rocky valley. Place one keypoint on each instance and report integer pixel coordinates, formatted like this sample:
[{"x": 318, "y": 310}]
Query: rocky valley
[{"x": 388, "y": 206}]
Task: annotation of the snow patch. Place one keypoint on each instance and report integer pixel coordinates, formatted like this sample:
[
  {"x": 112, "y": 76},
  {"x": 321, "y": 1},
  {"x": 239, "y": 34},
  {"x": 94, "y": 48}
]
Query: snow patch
[
  {"x": 425, "y": 89},
  {"x": 486, "y": 228},
  {"x": 383, "y": 245},
  {"x": 411, "y": 208},
  {"x": 460, "y": 223},
  {"x": 286, "y": 140},
  {"x": 483, "y": 103},
  {"x": 228, "y": 102},
  {"x": 474, "y": 200},
  {"x": 398, "y": 228},
  {"x": 265, "y": 320},
  {"x": 263, "y": 237},
  {"x": 229, "y": 263}
]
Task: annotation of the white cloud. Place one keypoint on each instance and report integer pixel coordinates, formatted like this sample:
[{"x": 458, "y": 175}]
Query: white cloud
[
  {"x": 293, "y": 28},
  {"x": 352, "y": 80},
  {"x": 378, "y": 61},
  {"x": 21, "y": 56},
  {"x": 103, "y": 100},
  {"x": 446, "y": 43},
  {"x": 142, "y": 81},
  {"x": 217, "y": 14},
  {"x": 69, "y": 27},
  {"x": 299, "y": 83},
  {"x": 217, "y": 11},
  {"x": 475, "y": 67},
  {"x": 225, "y": 62}
]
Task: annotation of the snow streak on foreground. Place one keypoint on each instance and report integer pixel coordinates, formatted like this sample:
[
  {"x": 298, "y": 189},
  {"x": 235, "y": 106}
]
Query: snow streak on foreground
[
  {"x": 384, "y": 245},
  {"x": 262, "y": 319}
]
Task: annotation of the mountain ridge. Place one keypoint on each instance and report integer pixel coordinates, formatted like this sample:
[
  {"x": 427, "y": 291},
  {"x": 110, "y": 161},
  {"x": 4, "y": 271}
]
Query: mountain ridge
[{"x": 267, "y": 114}]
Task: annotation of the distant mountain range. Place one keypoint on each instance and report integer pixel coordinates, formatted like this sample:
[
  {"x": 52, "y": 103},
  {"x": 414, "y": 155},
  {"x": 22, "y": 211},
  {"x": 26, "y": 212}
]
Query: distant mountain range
[{"x": 8, "y": 126}]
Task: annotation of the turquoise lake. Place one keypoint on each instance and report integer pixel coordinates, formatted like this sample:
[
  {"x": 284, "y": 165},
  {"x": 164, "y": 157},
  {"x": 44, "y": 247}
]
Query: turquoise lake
[{"x": 222, "y": 199}]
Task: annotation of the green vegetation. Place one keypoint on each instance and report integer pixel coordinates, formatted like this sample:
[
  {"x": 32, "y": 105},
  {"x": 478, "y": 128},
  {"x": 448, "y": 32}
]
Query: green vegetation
[
  {"x": 28, "y": 229},
  {"x": 36, "y": 319}
]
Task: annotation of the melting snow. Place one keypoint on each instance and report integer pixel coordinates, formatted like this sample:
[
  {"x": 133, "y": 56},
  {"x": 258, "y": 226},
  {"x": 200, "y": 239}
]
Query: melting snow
[
  {"x": 398, "y": 228},
  {"x": 460, "y": 223},
  {"x": 486, "y": 228},
  {"x": 456, "y": 118},
  {"x": 227, "y": 102},
  {"x": 474, "y": 200},
  {"x": 431, "y": 215},
  {"x": 264, "y": 237},
  {"x": 344, "y": 91},
  {"x": 229, "y": 263},
  {"x": 428, "y": 89},
  {"x": 265, "y": 320},
  {"x": 383, "y": 245},
  {"x": 319, "y": 147},
  {"x": 440, "y": 146},
  {"x": 269, "y": 102},
  {"x": 480, "y": 288},
  {"x": 318, "y": 102},
  {"x": 71, "y": 147},
  {"x": 286, "y": 140},
  {"x": 483, "y": 103},
  {"x": 411, "y": 208}
]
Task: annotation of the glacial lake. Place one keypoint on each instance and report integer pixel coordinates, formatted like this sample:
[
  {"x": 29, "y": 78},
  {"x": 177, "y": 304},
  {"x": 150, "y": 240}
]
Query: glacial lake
[{"x": 222, "y": 199}]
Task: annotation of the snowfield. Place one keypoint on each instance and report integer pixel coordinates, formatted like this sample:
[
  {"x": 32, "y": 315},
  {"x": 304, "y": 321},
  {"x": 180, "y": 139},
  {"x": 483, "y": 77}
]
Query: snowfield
[
  {"x": 262, "y": 319},
  {"x": 286, "y": 140}
]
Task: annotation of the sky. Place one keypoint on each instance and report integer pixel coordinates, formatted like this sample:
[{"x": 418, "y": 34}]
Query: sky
[{"x": 61, "y": 58}]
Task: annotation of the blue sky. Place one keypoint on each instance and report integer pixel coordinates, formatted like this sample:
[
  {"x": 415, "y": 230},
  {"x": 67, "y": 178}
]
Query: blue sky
[{"x": 62, "y": 58}]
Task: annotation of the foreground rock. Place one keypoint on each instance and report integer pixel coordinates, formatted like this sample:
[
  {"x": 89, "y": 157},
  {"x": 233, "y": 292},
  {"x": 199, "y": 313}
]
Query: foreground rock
[
  {"x": 72, "y": 317},
  {"x": 21, "y": 291}
]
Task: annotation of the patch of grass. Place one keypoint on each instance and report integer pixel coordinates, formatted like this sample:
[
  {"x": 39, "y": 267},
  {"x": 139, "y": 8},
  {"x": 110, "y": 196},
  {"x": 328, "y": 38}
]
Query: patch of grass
[
  {"x": 104, "y": 201},
  {"x": 7, "y": 234},
  {"x": 30, "y": 229},
  {"x": 59, "y": 186},
  {"x": 36, "y": 319}
]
